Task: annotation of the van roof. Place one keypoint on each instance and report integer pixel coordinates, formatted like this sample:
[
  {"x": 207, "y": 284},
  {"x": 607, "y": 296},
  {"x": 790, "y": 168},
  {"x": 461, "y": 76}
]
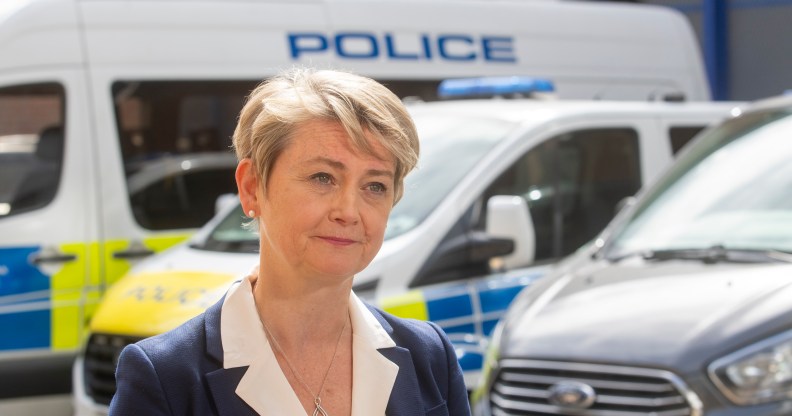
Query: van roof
[
  {"x": 539, "y": 111},
  {"x": 582, "y": 47}
]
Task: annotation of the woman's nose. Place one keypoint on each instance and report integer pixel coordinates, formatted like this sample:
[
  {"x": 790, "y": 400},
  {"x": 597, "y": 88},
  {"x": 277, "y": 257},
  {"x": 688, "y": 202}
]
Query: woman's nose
[{"x": 345, "y": 208}]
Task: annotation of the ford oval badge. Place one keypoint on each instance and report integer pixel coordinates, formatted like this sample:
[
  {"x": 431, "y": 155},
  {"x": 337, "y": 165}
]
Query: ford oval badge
[{"x": 571, "y": 394}]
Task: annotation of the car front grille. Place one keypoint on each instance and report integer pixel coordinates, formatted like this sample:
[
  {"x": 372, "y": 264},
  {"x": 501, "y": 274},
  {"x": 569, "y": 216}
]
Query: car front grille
[
  {"x": 101, "y": 357},
  {"x": 535, "y": 387}
]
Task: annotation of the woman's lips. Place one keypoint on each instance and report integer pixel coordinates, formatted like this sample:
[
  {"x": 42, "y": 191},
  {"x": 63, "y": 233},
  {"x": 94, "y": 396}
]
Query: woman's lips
[{"x": 338, "y": 240}]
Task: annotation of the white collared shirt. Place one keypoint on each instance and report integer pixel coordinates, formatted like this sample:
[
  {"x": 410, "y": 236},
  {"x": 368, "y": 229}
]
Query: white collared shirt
[{"x": 265, "y": 388}]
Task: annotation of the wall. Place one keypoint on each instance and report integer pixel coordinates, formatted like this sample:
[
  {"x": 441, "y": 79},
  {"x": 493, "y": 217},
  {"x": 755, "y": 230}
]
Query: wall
[{"x": 758, "y": 51}]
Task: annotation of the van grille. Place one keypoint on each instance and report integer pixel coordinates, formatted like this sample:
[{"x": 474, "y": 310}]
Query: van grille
[
  {"x": 533, "y": 387},
  {"x": 101, "y": 357}
]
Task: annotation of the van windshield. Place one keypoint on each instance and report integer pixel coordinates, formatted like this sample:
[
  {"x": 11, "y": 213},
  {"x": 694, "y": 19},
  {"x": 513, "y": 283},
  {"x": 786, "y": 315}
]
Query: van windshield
[
  {"x": 730, "y": 193},
  {"x": 451, "y": 146}
]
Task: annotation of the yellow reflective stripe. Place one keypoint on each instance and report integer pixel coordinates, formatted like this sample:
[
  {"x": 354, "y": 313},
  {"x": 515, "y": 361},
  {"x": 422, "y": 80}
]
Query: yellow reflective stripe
[
  {"x": 76, "y": 288},
  {"x": 66, "y": 288},
  {"x": 115, "y": 268},
  {"x": 95, "y": 266},
  {"x": 408, "y": 305}
]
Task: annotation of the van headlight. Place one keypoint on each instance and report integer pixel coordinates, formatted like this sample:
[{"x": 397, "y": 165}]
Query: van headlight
[{"x": 759, "y": 373}]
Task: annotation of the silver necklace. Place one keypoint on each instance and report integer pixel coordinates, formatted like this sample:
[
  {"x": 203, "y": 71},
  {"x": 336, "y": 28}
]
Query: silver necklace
[{"x": 319, "y": 410}]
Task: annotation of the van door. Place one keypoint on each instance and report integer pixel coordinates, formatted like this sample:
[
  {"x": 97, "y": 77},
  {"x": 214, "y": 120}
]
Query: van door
[
  {"x": 48, "y": 252},
  {"x": 572, "y": 183},
  {"x": 572, "y": 177},
  {"x": 167, "y": 158}
]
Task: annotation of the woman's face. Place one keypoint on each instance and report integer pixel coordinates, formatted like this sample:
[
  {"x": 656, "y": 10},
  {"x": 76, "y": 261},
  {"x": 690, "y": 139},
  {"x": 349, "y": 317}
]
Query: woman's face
[{"x": 325, "y": 207}]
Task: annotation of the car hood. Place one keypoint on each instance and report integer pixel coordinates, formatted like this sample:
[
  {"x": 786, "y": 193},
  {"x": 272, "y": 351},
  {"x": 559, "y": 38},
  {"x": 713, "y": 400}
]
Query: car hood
[
  {"x": 673, "y": 314},
  {"x": 166, "y": 290}
]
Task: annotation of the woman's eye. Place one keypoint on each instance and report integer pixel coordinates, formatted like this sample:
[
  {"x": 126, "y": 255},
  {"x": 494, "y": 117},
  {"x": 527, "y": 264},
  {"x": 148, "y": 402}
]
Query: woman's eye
[
  {"x": 377, "y": 187},
  {"x": 322, "y": 178}
]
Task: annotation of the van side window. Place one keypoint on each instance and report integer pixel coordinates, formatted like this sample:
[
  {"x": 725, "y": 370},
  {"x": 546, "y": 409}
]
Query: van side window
[
  {"x": 573, "y": 183},
  {"x": 680, "y": 136},
  {"x": 31, "y": 146},
  {"x": 175, "y": 141}
]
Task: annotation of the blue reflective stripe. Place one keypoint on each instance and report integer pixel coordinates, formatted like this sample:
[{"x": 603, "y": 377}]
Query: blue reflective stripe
[
  {"x": 23, "y": 322},
  {"x": 469, "y": 354},
  {"x": 471, "y": 361},
  {"x": 460, "y": 329},
  {"x": 18, "y": 274},
  {"x": 22, "y": 330},
  {"x": 449, "y": 307},
  {"x": 498, "y": 299},
  {"x": 488, "y": 326}
]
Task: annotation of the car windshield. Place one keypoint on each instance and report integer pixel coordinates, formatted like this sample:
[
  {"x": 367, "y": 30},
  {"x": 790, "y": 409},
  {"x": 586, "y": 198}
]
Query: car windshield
[
  {"x": 451, "y": 146},
  {"x": 731, "y": 192}
]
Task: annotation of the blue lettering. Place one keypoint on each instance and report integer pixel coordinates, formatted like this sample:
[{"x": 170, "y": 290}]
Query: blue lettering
[
  {"x": 498, "y": 49},
  {"x": 442, "y": 46},
  {"x": 390, "y": 45},
  {"x": 306, "y": 42},
  {"x": 364, "y": 45},
  {"x": 427, "y": 46},
  {"x": 373, "y": 48}
]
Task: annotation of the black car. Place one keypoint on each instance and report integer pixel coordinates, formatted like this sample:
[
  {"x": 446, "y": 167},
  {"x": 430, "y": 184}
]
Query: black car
[{"x": 683, "y": 306}]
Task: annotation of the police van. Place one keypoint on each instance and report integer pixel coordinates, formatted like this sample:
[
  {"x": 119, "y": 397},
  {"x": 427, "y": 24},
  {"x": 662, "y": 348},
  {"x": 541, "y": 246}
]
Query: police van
[
  {"x": 115, "y": 118},
  {"x": 500, "y": 184}
]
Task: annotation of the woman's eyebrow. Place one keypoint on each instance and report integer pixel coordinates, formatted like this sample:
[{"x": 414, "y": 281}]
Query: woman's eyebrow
[
  {"x": 379, "y": 172},
  {"x": 327, "y": 161},
  {"x": 341, "y": 166}
]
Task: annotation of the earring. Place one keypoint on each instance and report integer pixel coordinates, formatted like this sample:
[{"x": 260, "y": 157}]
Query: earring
[{"x": 252, "y": 214}]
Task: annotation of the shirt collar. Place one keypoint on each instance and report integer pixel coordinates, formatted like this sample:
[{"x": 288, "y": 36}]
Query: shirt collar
[{"x": 265, "y": 388}]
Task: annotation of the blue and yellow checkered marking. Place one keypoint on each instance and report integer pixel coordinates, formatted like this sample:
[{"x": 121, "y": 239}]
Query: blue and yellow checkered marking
[
  {"x": 465, "y": 310},
  {"x": 41, "y": 311}
]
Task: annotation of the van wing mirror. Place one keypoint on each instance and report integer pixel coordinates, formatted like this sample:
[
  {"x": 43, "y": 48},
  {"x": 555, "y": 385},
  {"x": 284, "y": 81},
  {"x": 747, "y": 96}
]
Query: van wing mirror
[
  {"x": 508, "y": 217},
  {"x": 482, "y": 247}
]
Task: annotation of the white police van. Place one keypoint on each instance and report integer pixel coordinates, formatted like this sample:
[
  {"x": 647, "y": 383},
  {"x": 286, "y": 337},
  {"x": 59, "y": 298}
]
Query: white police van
[
  {"x": 464, "y": 211},
  {"x": 115, "y": 118}
]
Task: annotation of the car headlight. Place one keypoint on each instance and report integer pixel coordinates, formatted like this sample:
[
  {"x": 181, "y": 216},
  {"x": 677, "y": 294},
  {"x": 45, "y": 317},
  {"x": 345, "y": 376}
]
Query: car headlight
[{"x": 756, "y": 374}]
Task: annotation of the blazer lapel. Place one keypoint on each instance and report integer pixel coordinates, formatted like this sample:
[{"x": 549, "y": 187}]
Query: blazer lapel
[
  {"x": 405, "y": 398},
  {"x": 222, "y": 382},
  {"x": 252, "y": 377},
  {"x": 371, "y": 398}
]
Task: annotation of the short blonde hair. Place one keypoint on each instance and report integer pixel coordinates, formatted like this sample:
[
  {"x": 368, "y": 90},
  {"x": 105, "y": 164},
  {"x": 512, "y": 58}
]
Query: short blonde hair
[{"x": 361, "y": 105}]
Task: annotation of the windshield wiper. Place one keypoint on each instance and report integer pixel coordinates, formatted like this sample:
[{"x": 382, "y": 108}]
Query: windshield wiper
[{"x": 711, "y": 255}]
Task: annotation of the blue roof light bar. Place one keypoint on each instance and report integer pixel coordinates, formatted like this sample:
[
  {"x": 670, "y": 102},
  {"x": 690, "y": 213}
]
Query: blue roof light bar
[{"x": 493, "y": 86}]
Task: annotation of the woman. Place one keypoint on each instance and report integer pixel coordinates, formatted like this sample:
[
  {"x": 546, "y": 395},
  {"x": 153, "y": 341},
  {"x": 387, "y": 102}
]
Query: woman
[{"x": 322, "y": 158}]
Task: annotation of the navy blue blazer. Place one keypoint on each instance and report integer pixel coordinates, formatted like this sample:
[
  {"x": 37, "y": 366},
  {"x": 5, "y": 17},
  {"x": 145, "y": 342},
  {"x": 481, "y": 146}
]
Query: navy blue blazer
[{"x": 181, "y": 372}]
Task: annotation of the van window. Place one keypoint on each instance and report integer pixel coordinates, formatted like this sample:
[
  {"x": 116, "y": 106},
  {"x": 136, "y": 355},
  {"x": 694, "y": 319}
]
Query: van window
[
  {"x": 573, "y": 183},
  {"x": 680, "y": 136},
  {"x": 175, "y": 139},
  {"x": 31, "y": 146}
]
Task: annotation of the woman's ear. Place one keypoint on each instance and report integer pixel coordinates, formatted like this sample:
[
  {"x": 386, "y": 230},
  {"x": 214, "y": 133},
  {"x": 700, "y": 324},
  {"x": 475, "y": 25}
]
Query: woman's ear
[{"x": 248, "y": 185}]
